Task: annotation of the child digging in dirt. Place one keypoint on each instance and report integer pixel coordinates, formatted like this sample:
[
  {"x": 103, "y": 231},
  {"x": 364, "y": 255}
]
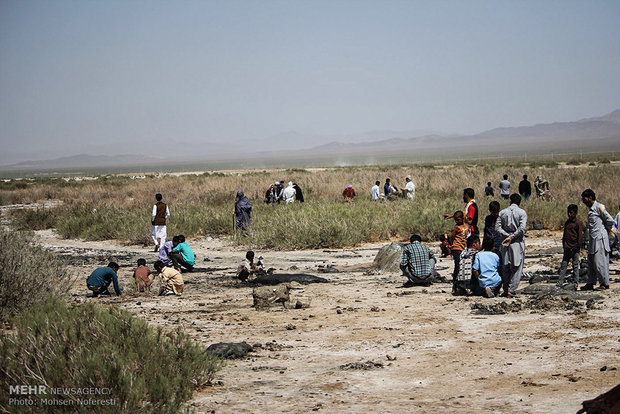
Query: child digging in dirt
[
  {"x": 248, "y": 268},
  {"x": 171, "y": 280},
  {"x": 143, "y": 276}
]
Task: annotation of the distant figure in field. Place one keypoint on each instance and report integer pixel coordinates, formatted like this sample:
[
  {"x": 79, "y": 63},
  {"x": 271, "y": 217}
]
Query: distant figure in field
[
  {"x": 182, "y": 254},
  {"x": 387, "y": 189},
  {"x": 541, "y": 185},
  {"x": 299, "y": 196},
  {"x": 417, "y": 263},
  {"x": 101, "y": 278},
  {"x": 504, "y": 188},
  {"x": 525, "y": 188},
  {"x": 143, "y": 276},
  {"x": 288, "y": 194},
  {"x": 489, "y": 227},
  {"x": 374, "y": 191},
  {"x": 171, "y": 280},
  {"x": 458, "y": 243},
  {"x": 270, "y": 195},
  {"x": 278, "y": 188},
  {"x": 510, "y": 225},
  {"x": 158, "y": 220},
  {"x": 349, "y": 193},
  {"x": 486, "y": 278},
  {"x": 488, "y": 190},
  {"x": 409, "y": 188},
  {"x": 572, "y": 240},
  {"x": 247, "y": 267},
  {"x": 243, "y": 211},
  {"x": 600, "y": 223}
]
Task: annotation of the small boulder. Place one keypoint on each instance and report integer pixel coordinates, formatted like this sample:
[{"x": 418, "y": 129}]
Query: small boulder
[{"x": 230, "y": 350}]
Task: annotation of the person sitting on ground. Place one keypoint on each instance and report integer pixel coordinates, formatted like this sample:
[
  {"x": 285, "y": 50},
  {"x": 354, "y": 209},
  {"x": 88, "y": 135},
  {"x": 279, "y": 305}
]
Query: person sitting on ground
[
  {"x": 409, "y": 189},
  {"x": 486, "y": 278},
  {"x": 458, "y": 243},
  {"x": 182, "y": 254},
  {"x": 143, "y": 276},
  {"x": 387, "y": 189},
  {"x": 374, "y": 191},
  {"x": 488, "y": 190},
  {"x": 288, "y": 194},
  {"x": 100, "y": 279},
  {"x": 248, "y": 268},
  {"x": 541, "y": 186},
  {"x": 444, "y": 245},
  {"x": 170, "y": 278},
  {"x": 349, "y": 193},
  {"x": 572, "y": 239},
  {"x": 417, "y": 263},
  {"x": 489, "y": 226},
  {"x": 464, "y": 278}
]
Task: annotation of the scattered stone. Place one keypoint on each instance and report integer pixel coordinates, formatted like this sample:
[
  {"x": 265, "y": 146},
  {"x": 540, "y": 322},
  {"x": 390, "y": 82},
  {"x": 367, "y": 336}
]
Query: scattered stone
[
  {"x": 229, "y": 350},
  {"x": 327, "y": 269},
  {"x": 498, "y": 308},
  {"x": 364, "y": 366},
  {"x": 603, "y": 368},
  {"x": 390, "y": 358},
  {"x": 541, "y": 289},
  {"x": 290, "y": 327},
  {"x": 374, "y": 309},
  {"x": 550, "y": 302},
  {"x": 267, "y": 296}
]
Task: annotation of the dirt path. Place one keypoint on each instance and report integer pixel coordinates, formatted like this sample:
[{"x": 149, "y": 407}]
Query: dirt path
[{"x": 366, "y": 344}]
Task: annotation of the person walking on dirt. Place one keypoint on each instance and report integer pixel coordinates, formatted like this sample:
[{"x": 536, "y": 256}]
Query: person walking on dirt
[
  {"x": 600, "y": 223},
  {"x": 510, "y": 226},
  {"x": 158, "y": 220}
]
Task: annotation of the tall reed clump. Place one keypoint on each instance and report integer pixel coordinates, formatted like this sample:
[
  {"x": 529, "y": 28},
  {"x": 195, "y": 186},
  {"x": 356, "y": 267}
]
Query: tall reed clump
[
  {"x": 28, "y": 273},
  {"x": 89, "y": 346}
]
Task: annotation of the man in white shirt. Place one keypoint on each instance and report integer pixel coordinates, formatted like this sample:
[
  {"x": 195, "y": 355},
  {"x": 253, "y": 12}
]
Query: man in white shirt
[
  {"x": 158, "y": 220},
  {"x": 374, "y": 191},
  {"x": 410, "y": 187},
  {"x": 288, "y": 194}
]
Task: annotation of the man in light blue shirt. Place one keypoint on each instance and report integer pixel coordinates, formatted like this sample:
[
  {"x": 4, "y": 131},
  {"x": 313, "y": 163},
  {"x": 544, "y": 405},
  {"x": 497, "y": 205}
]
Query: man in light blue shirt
[{"x": 486, "y": 271}]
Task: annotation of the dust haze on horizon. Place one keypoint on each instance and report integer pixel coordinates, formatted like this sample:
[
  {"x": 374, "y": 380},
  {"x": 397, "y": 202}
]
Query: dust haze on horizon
[{"x": 162, "y": 78}]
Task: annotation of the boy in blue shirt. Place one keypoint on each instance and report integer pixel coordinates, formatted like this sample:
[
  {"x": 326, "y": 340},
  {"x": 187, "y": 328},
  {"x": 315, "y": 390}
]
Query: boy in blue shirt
[
  {"x": 486, "y": 271},
  {"x": 100, "y": 279},
  {"x": 182, "y": 254}
]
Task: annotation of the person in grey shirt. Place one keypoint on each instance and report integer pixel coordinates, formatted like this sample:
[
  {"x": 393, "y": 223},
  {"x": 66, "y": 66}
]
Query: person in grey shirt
[
  {"x": 600, "y": 223},
  {"x": 504, "y": 187},
  {"x": 510, "y": 226}
]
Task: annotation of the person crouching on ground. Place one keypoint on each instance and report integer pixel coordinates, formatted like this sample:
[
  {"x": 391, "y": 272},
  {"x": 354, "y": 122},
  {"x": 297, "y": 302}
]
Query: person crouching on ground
[
  {"x": 182, "y": 254},
  {"x": 143, "y": 276},
  {"x": 572, "y": 240},
  {"x": 171, "y": 280},
  {"x": 100, "y": 279},
  {"x": 349, "y": 193},
  {"x": 417, "y": 263},
  {"x": 486, "y": 279},
  {"x": 247, "y": 267},
  {"x": 464, "y": 278}
]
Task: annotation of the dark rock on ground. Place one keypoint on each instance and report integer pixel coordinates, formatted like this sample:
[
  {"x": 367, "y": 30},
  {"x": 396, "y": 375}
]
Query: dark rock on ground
[
  {"x": 498, "y": 308},
  {"x": 365, "y": 366},
  {"x": 541, "y": 289},
  {"x": 388, "y": 258},
  {"x": 267, "y": 296},
  {"x": 230, "y": 350},
  {"x": 276, "y": 279},
  {"x": 608, "y": 402}
]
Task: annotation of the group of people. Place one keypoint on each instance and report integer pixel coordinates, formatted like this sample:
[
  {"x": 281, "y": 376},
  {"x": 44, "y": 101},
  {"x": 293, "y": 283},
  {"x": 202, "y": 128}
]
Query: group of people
[
  {"x": 541, "y": 187},
  {"x": 277, "y": 193},
  {"x": 499, "y": 266}
]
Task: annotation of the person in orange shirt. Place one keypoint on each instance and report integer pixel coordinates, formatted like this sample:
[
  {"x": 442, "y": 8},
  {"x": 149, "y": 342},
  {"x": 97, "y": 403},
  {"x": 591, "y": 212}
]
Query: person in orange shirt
[
  {"x": 458, "y": 243},
  {"x": 348, "y": 193}
]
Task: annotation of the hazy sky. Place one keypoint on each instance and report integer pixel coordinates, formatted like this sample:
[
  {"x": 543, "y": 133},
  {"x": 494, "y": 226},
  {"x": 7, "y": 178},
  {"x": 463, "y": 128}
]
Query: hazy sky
[{"x": 88, "y": 75}]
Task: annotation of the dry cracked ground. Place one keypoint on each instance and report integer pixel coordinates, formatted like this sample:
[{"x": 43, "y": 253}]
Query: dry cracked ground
[{"x": 365, "y": 343}]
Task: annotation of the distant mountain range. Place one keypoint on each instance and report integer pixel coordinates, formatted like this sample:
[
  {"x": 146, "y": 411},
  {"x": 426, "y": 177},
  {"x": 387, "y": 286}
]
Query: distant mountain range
[{"x": 590, "y": 134}]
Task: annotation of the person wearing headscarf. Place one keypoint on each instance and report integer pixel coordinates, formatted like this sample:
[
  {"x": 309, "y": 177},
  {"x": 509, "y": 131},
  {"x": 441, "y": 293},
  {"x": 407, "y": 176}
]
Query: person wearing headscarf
[
  {"x": 349, "y": 193},
  {"x": 288, "y": 195},
  {"x": 299, "y": 195},
  {"x": 243, "y": 211}
]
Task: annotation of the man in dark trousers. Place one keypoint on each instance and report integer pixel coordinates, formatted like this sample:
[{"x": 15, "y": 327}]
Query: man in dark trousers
[
  {"x": 525, "y": 188},
  {"x": 101, "y": 278}
]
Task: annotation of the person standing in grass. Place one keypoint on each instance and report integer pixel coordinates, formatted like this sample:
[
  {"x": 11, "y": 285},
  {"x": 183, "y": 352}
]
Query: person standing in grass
[
  {"x": 409, "y": 188},
  {"x": 243, "y": 211},
  {"x": 599, "y": 223},
  {"x": 572, "y": 240},
  {"x": 299, "y": 195},
  {"x": 510, "y": 226},
  {"x": 458, "y": 242},
  {"x": 374, "y": 191},
  {"x": 171, "y": 280},
  {"x": 101, "y": 278},
  {"x": 504, "y": 188},
  {"x": 182, "y": 254},
  {"x": 488, "y": 190},
  {"x": 525, "y": 188},
  {"x": 158, "y": 220}
]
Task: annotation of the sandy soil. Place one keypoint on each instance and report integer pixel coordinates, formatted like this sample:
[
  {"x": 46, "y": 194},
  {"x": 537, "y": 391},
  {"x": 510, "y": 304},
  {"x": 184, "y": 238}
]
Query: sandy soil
[{"x": 409, "y": 349}]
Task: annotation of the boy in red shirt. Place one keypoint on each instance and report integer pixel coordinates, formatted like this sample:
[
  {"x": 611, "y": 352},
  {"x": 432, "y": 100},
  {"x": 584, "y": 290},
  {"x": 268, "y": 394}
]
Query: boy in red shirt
[{"x": 143, "y": 276}]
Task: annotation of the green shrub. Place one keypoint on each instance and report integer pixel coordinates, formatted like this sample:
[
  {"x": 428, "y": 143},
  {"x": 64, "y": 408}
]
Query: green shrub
[
  {"x": 34, "y": 219},
  {"x": 92, "y": 346},
  {"x": 28, "y": 273}
]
